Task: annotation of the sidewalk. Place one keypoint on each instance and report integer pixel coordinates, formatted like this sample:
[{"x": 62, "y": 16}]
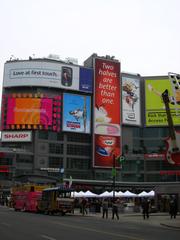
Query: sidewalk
[{"x": 162, "y": 219}]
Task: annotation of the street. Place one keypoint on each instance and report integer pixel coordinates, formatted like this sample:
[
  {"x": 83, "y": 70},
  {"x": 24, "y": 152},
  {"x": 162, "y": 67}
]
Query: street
[{"x": 28, "y": 226}]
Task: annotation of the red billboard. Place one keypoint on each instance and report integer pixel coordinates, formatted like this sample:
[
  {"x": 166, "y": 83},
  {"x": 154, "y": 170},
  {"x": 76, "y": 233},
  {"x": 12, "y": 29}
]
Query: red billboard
[{"x": 106, "y": 112}]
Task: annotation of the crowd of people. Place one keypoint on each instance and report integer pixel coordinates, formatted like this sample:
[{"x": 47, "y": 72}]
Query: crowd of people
[{"x": 115, "y": 206}]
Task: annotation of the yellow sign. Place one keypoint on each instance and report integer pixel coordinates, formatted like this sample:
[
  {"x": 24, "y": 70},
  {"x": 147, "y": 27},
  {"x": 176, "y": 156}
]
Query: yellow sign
[{"x": 155, "y": 108}]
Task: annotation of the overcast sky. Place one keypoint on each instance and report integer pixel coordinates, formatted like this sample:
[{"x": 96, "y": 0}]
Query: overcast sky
[{"x": 143, "y": 34}]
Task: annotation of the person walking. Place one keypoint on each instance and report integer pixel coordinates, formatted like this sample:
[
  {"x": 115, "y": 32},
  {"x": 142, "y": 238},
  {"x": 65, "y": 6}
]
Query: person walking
[
  {"x": 145, "y": 208},
  {"x": 105, "y": 208},
  {"x": 173, "y": 207},
  {"x": 84, "y": 206},
  {"x": 115, "y": 209}
]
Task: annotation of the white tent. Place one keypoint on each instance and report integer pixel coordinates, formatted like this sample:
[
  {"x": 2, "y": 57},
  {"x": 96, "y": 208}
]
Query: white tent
[
  {"x": 146, "y": 194},
  {"x": 119, "y": 194},
  {"x": 78, "y": 194},
  {"x": 143, "y": 194},
  {"x": 89, "y": 194},
  {"x": 151, "y": 193},
  {"x": 129, "y": 194},
  {"x": 105, "y": 194}
]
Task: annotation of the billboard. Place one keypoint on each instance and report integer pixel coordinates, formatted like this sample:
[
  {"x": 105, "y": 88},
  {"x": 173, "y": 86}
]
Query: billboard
[
  {"x": 76, "y": 113},
  {"x": 86, "y": 80},
  {"x": 29, "y": 111},
  {"x": 106, "y": 112},
  {"x": 106, "y": 147},
  {"x": 155, "y": 111},
  {"x": 16, "y": 136},
  {"x": 131, "y": 101},
  {"x": 41, "y": 73}
]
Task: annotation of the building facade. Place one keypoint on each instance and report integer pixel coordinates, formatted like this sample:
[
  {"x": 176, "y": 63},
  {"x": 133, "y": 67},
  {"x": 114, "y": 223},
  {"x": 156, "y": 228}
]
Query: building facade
[{"x": 49, "y": 130}]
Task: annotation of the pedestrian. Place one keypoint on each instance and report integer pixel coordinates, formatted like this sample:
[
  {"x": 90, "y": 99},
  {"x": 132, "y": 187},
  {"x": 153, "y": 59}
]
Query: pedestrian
[
  {"x": 173, "y": 207},
  {"x": 145, "y": 208},
  {"x": 84, "y": 206},
  {"x": 115, "y": 209},
  {"x": 105, "y": 208}
]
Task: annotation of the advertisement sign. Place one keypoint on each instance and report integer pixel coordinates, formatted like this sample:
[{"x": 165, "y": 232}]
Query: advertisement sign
[
  {"x": 106, "y": 112},
  {"x": 76, "y": 113},
  {"x": 131, "y": 101},
  {"x": 106, "y": 147},
  {"x": 155, "y": 108},
  {"x": 86, "y": 80},
  {"x": 41, "y": 73},
  {"x": 29, "y": 111},
  {"x": 16, "y": 136},
  {"x": 107, "y": 97}
]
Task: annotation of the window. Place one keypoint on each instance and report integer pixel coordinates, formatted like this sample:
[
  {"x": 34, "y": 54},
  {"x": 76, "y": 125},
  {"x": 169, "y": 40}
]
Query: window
[
  {"x": 55, "y": 162},
  {"x": 78, "y": 150},
  {"x": 56, "y": 148},
  {"x": 76, "y": 163},
  {"x": 43, "y": 134}
]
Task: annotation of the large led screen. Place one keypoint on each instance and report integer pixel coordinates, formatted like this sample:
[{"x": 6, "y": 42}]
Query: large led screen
[
  {"x": 155, "y": 107},
  {"x": 131, "y": 101},
  {"x": 76, "y": 113},
  {"x": 34, "y": 111}
]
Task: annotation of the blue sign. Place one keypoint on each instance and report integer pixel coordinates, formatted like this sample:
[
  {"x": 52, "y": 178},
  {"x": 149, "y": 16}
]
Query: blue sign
[{"x": 86, "y": 80}]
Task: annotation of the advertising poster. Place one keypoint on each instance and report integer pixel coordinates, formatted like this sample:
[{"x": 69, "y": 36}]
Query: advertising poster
[
  {"x": 107, "y": 97},
  {"x": 155, "y": 107},
  {"x": 131, "y": 101},
  {"x": 45, "y": 74},
  {"x": 76, "y": 113},
  {"x": 106, "y": 147},
  {"x": 106, "y": 112}
]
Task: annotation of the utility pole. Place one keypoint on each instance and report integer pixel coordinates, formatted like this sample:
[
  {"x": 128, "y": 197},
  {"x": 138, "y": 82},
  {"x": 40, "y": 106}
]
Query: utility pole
[
  {"x": 114, "y": 175},
  {"x": 14, "y": 166}
]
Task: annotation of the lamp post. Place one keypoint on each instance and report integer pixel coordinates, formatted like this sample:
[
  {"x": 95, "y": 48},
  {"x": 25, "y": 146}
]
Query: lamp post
[
  {"x": 114, "y": 175},
  {"x": 14, "y": 166}
]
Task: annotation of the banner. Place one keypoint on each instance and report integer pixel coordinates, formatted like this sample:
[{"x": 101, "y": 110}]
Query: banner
[{"x": 106, "y": 112}]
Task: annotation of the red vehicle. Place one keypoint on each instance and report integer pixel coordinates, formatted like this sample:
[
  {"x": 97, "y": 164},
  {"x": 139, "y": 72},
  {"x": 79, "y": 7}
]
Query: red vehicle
[{"x": 26, "y": 201}]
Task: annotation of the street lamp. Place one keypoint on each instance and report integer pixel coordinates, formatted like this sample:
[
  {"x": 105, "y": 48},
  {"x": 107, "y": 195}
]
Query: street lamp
[
  {"x": 114, "y": 175},
  {"x": 14, "y": 165}
]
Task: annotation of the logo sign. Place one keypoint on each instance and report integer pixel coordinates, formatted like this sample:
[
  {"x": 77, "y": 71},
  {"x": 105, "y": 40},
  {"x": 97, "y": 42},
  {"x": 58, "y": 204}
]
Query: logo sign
[{"x": 16, "y": 136}]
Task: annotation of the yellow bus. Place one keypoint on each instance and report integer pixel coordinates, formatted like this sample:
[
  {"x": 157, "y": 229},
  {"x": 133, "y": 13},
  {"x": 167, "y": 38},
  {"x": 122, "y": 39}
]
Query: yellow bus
[{"x": 56, "y": 200}]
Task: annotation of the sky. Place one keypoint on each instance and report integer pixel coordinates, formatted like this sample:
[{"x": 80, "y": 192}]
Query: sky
[{"x": 144, "y": 35}]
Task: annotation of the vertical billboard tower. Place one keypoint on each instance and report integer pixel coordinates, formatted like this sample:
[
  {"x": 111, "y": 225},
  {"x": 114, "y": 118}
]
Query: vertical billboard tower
[{"x": 106, "y": 137}]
